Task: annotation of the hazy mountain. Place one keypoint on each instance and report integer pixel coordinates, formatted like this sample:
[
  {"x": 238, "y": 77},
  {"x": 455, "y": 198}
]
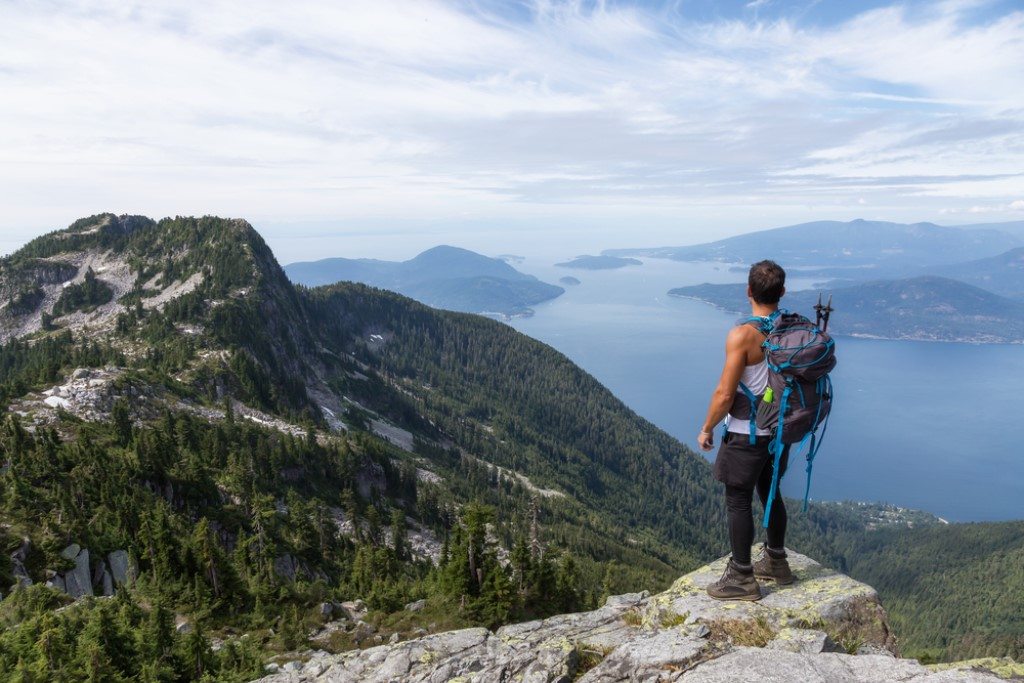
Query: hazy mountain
[
  {"x": 1015, "y": 228},
  {"x": 1002, "y": 274},
  {"x": 924, "y": 308},
  {"x": 604, "y": 262},
  {"x": 857, "y": 249},
  {"x": 443, "y": 277}
]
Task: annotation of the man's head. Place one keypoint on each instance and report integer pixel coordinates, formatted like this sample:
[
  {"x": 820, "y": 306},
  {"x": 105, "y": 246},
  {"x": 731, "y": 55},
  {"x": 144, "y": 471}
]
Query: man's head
[{"x": 766, "y": 283}]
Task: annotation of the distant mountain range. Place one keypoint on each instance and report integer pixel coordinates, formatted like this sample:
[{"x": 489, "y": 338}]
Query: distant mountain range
[
  {"x": 1002, "y": 274},
  {"x": 926, "y": 308},
  {"x": 857, "y": 249},
  {"x": 604, "y": 262},
  {"x": 443, "y": 277}
]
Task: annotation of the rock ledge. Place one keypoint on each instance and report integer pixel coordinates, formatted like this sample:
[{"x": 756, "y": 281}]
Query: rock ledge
[{"x": 825, "y": 627}]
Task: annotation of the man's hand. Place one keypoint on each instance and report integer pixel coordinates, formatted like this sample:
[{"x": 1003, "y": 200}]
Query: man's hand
[{"x": 706, "y": 441}]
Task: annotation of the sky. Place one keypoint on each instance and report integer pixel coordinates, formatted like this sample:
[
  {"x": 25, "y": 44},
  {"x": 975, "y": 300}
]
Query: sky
[{"x": 383, "y": 127}]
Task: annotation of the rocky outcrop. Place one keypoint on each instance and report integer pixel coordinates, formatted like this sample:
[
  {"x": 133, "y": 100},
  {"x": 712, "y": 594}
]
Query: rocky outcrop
[
  {"x": 86, "y": 578},
  {"x": 122, "y": 569},
  {"x": 78, "y": 580},
  {"x": 824, "y": 627},
  {"x": 18, "y": 559}
]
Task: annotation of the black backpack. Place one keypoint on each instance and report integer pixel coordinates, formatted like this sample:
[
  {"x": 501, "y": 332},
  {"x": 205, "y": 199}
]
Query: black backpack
[{"x": 798, "y": 399}]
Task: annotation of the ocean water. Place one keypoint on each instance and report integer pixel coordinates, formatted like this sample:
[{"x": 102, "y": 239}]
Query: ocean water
[{"x": 925, "y": 425}]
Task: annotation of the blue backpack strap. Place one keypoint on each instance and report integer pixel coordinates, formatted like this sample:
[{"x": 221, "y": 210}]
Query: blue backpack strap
[
  {"x": 764, "y": 324},
  {"x": 775, "y": 448},
  {"x": 824, "y": 384},
  {"x": 753, "y": 412}
]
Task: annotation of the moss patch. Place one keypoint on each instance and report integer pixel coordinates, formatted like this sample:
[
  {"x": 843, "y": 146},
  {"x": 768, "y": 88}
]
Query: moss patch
[{"x": 755, "y": 632}]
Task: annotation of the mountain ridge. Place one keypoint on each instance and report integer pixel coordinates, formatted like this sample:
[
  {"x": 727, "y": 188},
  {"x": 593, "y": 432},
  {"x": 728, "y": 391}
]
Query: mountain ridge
[
  {"x": 860, "y": 248},
  {"x": 1002, "y": 274}
]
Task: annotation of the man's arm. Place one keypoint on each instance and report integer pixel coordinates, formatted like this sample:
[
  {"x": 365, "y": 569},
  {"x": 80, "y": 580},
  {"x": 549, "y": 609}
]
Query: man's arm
[{"x": 722, "y": 398}]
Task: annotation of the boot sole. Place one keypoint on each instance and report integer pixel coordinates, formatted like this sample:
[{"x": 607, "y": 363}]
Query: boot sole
[
  {"x": 768, "y": 577},
  {"x": 749, "y": 598}
]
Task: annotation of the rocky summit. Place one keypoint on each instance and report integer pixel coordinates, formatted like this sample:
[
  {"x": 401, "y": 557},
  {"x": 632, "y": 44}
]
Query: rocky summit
[{"x": 825, "y": 627}]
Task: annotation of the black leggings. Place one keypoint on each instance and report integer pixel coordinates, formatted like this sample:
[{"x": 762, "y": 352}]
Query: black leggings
[{"x": 741, "y": 517}]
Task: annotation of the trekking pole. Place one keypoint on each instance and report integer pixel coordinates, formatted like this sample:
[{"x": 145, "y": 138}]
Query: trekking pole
[{"x": 827, "y": 312}]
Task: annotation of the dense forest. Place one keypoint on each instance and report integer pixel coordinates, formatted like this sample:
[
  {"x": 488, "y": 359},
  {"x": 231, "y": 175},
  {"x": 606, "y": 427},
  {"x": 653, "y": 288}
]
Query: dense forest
[{"x": 542, "y": 492}]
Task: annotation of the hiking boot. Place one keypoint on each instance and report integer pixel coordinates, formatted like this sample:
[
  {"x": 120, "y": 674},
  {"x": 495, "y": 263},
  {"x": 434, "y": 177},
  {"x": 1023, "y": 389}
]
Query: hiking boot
[
  {"x": 773, "y": 568},
  {"x": 735, "y": 584}
]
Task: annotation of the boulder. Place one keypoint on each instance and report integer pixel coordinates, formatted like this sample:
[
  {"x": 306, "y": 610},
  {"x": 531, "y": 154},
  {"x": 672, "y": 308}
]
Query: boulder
[
  {"x": 106, "y": 582},
  {"x": 416, "y": 606},
  {"x": 18, "y": 559},
  {"x": 804, "y": 640},
  {"x": 285, "y": 567},
  {"x": 71, "y": 552},
  {"x": 363, "y": 630},
  {"x": 78, "y": 581},
  {"x": 122, "y": 569},
  {"x": 820, "y": 598},
  {"x": 354, "y": 609}
]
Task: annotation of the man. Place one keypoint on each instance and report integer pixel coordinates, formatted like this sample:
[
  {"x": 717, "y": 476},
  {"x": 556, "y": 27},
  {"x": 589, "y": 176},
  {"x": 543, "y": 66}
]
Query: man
[{"x": 740, "y": 465}]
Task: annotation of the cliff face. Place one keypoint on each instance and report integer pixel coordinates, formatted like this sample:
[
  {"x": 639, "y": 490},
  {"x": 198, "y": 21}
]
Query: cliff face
[{"x": 825, "y": 627}]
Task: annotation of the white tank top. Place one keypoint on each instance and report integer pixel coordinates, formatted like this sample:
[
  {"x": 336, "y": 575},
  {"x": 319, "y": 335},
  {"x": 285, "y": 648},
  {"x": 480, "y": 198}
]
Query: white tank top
[{"x": 756, "y": 378}]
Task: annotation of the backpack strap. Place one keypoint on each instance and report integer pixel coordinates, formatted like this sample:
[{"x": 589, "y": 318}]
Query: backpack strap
[
  {"x": 753, "y": 411},
  {"x": 764, "y": 323},
  {"x": 776, "y": 448},
  {"x": 824, "y": 386}
]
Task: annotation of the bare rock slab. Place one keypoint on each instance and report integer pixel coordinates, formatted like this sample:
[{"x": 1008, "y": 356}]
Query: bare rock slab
[
  {"x": 776, "y": 666},
  {"x": 820, "y": 599},
  {"x": 681, "y": 634}
]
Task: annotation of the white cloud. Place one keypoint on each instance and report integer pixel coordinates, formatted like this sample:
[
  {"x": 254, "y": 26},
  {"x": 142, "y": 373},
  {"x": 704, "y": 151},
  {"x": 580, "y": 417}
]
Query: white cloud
[{"x": 410, "y": 110}]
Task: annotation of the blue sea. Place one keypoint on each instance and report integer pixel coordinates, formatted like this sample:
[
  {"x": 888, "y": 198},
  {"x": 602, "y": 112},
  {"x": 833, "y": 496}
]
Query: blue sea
[{"x": 932, "y": 426}]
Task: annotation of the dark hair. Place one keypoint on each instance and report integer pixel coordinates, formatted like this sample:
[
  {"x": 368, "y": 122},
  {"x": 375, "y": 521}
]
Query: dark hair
[{"x": 767, "y": 279}]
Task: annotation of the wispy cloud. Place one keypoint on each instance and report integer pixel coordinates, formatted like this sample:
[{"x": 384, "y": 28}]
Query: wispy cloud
[{"x": 406, "y": 110}]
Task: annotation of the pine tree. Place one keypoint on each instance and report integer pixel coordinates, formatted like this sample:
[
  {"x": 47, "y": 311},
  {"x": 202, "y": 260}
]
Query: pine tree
[
  {"x": 398, "y": 534},
  {"x": 122, "y": 421}
]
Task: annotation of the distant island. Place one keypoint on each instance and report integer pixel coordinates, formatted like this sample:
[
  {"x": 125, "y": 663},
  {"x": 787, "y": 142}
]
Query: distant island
[
  {"x": 569, "y": 280},
  {"x": 603, "y": 262},
  {"x": 926, "y": 308},
  {"x": 443, "y": 277}
]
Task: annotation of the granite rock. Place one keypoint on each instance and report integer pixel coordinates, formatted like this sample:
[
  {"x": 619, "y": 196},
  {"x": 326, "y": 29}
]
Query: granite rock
[{"x": 678, "y": 635}]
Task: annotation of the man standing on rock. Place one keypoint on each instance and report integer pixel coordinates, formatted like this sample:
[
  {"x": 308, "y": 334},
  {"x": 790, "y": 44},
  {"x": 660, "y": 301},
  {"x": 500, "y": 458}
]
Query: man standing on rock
[{"x": 743, "y": 462}]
